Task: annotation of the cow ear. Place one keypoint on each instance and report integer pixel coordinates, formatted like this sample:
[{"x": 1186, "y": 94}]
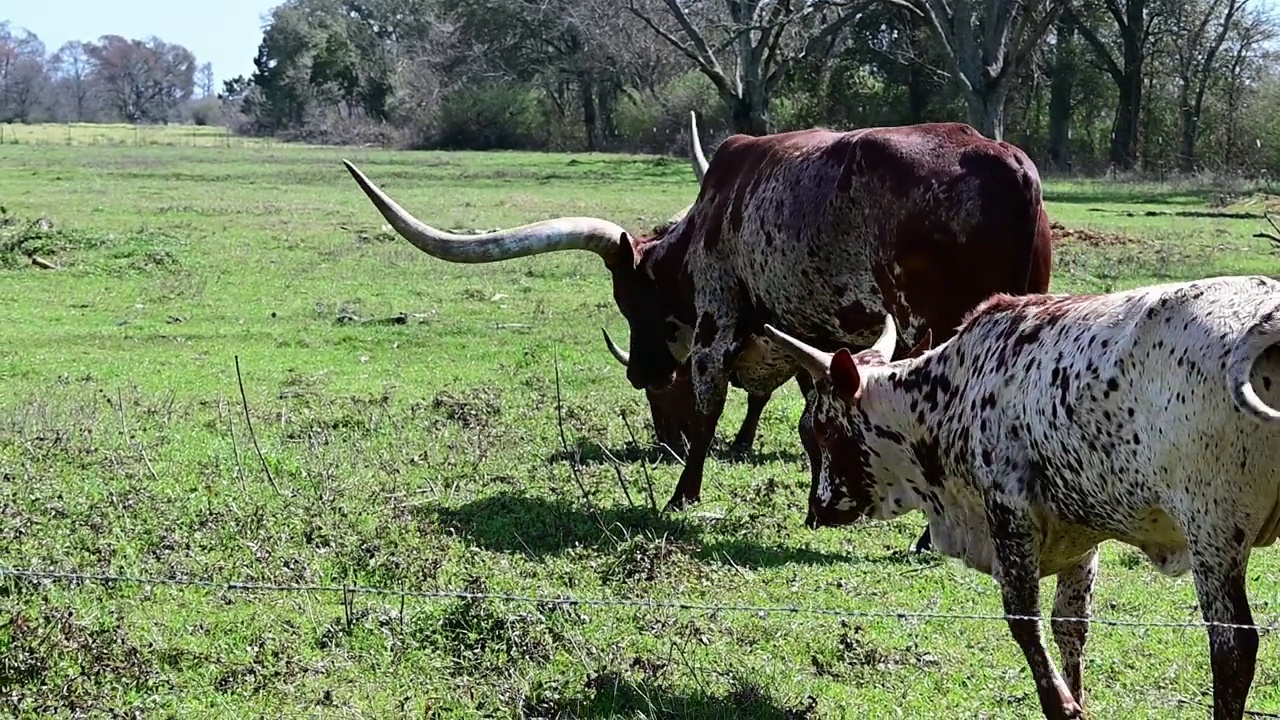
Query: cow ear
[
  {"x": 922, "y": 347},
  {"x": 844, "y": 374},
  {"x": 629, "y": 244}
]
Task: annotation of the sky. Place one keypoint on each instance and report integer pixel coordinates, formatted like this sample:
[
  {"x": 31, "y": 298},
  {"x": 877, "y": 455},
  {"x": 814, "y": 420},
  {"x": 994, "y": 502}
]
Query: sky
[{"x": 224, "y": 32}]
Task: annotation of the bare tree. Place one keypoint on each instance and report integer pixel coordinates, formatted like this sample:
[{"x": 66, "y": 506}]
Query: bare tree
[
  {"x": 1135, "y": 23},
  {"x": 1201, "y": 28},
  {"x": 73, "y": 89},
  {"x": 762, "y": 40},
  {"x": 22, "y": 73},
  {"x": 1252, "y": 31},
  {"x": 204, "y": 80},
  {"x": 985, "y": 41},
  {"x": 144, "y": 80}
]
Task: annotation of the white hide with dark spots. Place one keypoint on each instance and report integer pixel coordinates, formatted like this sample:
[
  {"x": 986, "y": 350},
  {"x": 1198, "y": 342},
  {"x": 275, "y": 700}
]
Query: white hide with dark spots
[{"x": 1048, "y": 424}]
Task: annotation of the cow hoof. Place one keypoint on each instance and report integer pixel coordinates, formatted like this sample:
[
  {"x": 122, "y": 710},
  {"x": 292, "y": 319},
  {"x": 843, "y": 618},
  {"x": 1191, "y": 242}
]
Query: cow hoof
[
  {"x": 738, "y": 452},
  {"x": 679, "y": 502}
]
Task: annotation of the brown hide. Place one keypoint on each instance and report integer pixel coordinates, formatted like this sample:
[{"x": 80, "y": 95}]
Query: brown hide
[{"x": 941, "y": 273}]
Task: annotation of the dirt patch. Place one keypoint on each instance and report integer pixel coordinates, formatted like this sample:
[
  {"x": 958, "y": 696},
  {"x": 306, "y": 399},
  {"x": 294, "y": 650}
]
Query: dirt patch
[{"x": 1093, "y": 238}]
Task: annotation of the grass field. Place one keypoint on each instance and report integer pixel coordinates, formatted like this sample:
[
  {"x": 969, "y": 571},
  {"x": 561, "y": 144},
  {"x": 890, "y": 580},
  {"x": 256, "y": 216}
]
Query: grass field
[{"x": 426, "y": 455}]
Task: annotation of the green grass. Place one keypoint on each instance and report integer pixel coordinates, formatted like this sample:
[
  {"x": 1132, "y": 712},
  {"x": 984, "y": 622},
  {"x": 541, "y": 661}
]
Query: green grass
[
  {"x": 426, "y": 456},
  {"x": 125, "y": 134}
]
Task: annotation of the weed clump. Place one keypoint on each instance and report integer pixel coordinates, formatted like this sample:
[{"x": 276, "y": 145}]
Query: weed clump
[
  {"x": 477, "y": 408},
  {"x": 23, "y": 239}
]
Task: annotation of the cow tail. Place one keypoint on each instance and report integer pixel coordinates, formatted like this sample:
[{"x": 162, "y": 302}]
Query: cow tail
[
  {"x": 1036, "y": 236},
  {"x": 1255, "y": 340}
]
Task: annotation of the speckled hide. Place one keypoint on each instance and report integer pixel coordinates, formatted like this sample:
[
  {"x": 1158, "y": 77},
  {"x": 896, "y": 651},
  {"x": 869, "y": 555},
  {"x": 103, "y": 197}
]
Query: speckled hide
[
  {"x": 1050, "y": 423},
  {"x": 821, "y": 233}
]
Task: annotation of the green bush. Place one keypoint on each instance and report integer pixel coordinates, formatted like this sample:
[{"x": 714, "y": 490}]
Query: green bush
[
  {"x": 491, "y": 117},
  {"x": 659, "y": 122},
  {"x": 205, "y": 111}
]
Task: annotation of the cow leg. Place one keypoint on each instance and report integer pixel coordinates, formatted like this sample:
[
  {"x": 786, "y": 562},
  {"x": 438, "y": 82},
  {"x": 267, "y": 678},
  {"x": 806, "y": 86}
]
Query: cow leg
[
  {"x": 1218, "y": 565},
  {"x": 711, "y": 386},
  {"x": 925, "y": 541},
  {"x": 1017, "y": 569},
  {"x": 746, "y": 436},
  {"x": 1074, "y": 599},
  {"x": 805, "y": 381}
]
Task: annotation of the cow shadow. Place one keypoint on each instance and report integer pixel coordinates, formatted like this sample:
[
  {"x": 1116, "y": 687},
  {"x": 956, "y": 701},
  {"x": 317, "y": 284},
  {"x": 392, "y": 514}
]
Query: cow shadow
[
  {"x": 592, "y": 453},
  {"x": 538, "y": 527},
  {"x": 613, "y": 694}
]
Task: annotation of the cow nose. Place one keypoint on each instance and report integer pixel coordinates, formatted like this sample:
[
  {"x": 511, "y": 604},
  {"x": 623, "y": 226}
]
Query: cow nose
[{"x": 637, "y": 378}]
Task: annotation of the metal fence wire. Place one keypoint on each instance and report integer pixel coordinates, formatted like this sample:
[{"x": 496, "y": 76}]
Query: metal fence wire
[{"x": 348, "y": 591}]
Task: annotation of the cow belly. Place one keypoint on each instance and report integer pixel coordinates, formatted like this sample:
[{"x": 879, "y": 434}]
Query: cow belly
[{"x": 762, "y": 367}]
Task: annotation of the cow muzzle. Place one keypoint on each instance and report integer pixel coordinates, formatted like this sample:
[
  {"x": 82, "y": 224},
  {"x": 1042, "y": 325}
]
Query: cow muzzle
[{"x": 641, "y": 379}]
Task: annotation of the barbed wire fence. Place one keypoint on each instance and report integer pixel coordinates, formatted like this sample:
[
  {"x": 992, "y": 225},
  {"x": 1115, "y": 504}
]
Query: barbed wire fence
[
  {"x": 125, "y": 135},
  {"x": 347, "y": 591}
]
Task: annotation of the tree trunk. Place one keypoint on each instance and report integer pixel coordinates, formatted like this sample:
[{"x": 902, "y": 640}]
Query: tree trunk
[
  {"x": 607, "y": 107},
  {"x": 917, "y": 93},
  {"x": 1060, "y": 90},
  {"x": 986, "y": 110},
  {"x": 1124, "y": 135},
  {"x": 748, "y": 117},
  {"x": 1188, "y": 127},
  {"x": 586, "y": 90}
]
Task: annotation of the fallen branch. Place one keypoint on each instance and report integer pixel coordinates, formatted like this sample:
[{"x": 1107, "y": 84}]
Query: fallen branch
[
  {"x": 42, "y": 263},
  {"x": 1275, "y": 239}
]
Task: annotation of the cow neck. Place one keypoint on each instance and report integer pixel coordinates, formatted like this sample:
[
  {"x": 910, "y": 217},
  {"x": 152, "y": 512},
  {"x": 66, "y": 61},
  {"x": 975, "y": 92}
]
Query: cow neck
[
  {"x": 904, "y": 396},
  {"x": 663, "y": 258}
]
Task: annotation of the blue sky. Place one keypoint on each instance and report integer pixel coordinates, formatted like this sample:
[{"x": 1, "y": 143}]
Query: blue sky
[{"x": 223, "y": 32}]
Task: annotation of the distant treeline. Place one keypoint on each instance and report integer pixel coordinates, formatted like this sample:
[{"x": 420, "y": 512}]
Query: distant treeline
[{"x": 1083, "y": 85}]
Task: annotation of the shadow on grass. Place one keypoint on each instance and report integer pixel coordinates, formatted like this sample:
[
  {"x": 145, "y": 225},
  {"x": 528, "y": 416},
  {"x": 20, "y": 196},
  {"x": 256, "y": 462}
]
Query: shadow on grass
[
  {"x": 591, "y": 453},
  {"x": 536, "y": 526},
  {"x": 614, "y": 695}
]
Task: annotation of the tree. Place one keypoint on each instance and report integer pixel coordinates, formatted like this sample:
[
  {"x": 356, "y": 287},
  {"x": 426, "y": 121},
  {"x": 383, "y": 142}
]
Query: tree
[
  {"x": 1201, "y": 28},
  {"x": 1134, "y": 22},
  {"x": 1252, "y": 31},
  {"x": 73, "y": 88},
  {"x": 764, "y": 40},
  {"x": 22, "y": 73},
  {"x": 204, "y": 80},
  {"x": 1062, "y": 72},
  {"x": 144, "y": 81},
  {"x": 985, "y": 42}
]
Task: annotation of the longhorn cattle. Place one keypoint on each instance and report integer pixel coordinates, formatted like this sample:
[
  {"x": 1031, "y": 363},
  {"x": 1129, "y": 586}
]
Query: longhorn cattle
[
  {"x": 1051, "y": 423},
  {"x": 672, "y": 409},
  {"x": 818, "y": 232}
]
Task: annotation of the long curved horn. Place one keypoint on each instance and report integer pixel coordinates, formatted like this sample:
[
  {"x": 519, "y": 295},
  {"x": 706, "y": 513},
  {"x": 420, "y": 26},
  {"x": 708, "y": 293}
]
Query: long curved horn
[
  {"x": 888, "y": 338},
  {"x": 601, "y": 237},
  {"x": 618, "y": 353},
  {"x": 818, "y": 363},
  {"x": 699, "y": 160}
]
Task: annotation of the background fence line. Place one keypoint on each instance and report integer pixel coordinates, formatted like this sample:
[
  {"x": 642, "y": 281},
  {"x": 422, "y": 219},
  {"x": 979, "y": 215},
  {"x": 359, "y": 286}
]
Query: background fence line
[
  {"x": 348, "y": 591},
  {"x": 126, "y": 135}
]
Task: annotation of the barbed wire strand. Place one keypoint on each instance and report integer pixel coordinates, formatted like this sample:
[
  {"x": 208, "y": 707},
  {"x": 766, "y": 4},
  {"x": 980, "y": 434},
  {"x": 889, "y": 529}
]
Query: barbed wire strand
[{"x": 569, "y": 601}]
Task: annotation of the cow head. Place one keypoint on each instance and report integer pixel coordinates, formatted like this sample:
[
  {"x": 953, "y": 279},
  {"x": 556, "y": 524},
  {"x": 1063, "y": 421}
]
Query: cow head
[
  {"x": 657, "y": 310},
  {"x": 852, "y": 461}
]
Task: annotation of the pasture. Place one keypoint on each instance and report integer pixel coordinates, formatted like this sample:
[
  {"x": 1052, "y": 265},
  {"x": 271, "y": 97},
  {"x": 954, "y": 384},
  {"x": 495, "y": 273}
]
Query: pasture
[{"x": 414, "y": 437}]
